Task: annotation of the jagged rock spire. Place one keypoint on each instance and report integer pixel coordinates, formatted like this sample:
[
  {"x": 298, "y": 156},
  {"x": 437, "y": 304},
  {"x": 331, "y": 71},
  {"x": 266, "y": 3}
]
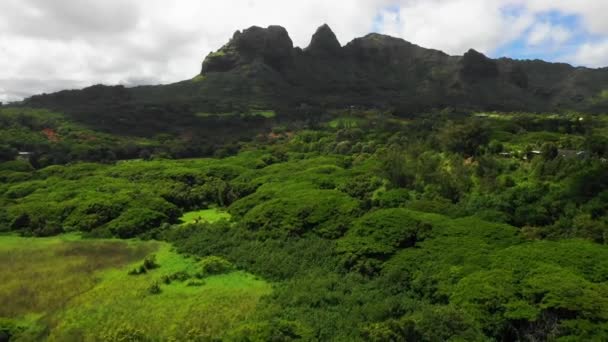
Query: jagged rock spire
[
  {"x": 324, "y": 41},
  {"x": 271, "y": 44},
  {"x": 475, "y": 65}
]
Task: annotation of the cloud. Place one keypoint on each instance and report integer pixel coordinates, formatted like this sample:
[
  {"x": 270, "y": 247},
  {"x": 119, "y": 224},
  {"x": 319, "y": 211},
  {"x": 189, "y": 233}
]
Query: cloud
[
  {"x": 455, "y": 26},
  {"x": 16, "y": 89},
  {"x": 594, "y": 54},
  {"x": 73, "y": 43},
  {"x": 549, "y": 34},
  {"x": 69, "y": 19},
  {"x": 592, "y": 12}
]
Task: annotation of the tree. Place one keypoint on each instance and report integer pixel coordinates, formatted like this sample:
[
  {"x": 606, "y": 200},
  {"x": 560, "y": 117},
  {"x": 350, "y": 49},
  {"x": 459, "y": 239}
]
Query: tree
[
  {"x": 495, "y": 147},
  {"x": 549, "y": 151},
  {"x": 465, "y": 139},
  {"x": 597, "y": 145},
  {"x": 135, "y": 221},
  {"x": 7, "y": 153},
  {"x": 395, "y": 169},
  {"x": 145, "y": 154}
]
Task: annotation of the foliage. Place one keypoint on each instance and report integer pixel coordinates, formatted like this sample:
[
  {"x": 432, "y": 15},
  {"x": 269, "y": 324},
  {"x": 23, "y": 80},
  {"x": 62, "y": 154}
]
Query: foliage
[
  {"x": 376, "y": 228},
  {"x": 466, "y": 139},
  {"x": 213, "y": 265},
  {"x": 325, "y": 212},
  {"x": 379, "y": 234}
]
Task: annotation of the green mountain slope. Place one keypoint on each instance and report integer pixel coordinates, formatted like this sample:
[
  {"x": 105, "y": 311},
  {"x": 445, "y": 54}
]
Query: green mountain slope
[{"x": 259, "y": 68}]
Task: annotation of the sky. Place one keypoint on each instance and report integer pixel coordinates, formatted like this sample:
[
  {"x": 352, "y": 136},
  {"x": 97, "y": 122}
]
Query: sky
[{"x": 47, "y": 46}]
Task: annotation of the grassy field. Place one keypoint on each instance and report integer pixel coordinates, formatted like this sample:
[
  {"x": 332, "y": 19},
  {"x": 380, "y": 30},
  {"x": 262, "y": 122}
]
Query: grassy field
[
  {"x": 206, "y": 215},
  {"x": 69, "y": 289}
]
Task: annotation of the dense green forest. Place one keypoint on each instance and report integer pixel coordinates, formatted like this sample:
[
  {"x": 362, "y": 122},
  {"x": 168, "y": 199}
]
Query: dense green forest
[{"x": 366, "y": 225}]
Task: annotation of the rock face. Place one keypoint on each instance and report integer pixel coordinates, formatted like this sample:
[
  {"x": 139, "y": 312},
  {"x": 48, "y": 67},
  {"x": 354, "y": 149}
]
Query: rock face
[
  {"x": 324, "y": 42},
  {"x": 476, "y": 65},
  {"x": 271, "y": 45}
]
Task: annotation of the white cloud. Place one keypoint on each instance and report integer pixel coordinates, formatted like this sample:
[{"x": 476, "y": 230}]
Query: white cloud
[
  {"x": 547, "y": 33},
  {"x": 592, "y": 54},
  {"x": 455, "y": 26},
  {"x": 592, "y": 12}
]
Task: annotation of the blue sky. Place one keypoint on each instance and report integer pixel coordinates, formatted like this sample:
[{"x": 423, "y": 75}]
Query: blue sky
[
  {"x": 47, "y": 45},
  {"x": 548, "y": 49},
  {"x": 559, "y": 31}
]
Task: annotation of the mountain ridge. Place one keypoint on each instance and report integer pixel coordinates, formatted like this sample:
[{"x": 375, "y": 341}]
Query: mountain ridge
[
  {"x": 260, "y": 67},
  {"x": 389, "y": 68}
]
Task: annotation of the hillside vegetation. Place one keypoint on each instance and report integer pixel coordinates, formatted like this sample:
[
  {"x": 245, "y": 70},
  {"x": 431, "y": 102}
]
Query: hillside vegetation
[{"x": 367, "y": 225}]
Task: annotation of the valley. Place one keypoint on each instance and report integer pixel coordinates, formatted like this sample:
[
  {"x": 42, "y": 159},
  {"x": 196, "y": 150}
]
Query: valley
[{"x": 372, "y": 191}]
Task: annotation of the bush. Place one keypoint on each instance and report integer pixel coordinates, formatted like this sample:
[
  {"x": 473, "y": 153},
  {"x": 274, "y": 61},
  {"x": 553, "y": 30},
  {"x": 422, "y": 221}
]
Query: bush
[
  {"x": 9, "y": 329},
  {"x": 180, "y": 276},
  {"x": 154, "y": 289},
  {"x": 213, "y": 265},
  {"x": 135, "y": 221},
  {"x": 361, "y": 187},
  {"x": 393, "y": 198},
  {"x": 148, "y": 264},
  {"x": 277, "y": 330}
]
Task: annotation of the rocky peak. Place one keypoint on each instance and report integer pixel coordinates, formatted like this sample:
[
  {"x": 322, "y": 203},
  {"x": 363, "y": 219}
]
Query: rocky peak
[
  {"x": 270, "y": 41},
  {"x": 475, "y": 65},
  {"x": 272, "y": 45},
  {"x": 324, "y": 41}
]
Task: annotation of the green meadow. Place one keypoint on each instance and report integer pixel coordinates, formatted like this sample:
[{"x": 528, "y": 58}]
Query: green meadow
[
  {"x": 70, "y": 289},
  {"x": 206, "y": 215}
]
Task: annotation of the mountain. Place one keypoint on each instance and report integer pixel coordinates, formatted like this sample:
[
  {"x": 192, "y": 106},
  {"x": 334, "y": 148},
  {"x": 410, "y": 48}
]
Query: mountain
[
  {"x": 379, "y": 70},
  {"x": 261, "y": 68}
]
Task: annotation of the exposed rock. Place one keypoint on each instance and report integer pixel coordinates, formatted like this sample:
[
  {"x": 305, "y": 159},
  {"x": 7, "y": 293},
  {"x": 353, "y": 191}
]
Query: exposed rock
[
  {"x": 476, "y": 65},
  {"x": 271, "y": 44},
  {"x": 324, "y": 42}
]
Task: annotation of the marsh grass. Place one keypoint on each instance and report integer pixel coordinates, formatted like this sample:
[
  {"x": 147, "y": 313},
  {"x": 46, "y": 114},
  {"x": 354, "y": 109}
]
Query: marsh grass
[
  {"x": 68, "y": 289},
  {"x": 218, "y": 304},
  {"x": 40, "y": 275}
]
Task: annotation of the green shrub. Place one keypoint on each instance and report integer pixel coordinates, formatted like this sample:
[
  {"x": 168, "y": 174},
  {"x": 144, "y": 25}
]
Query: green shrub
[
  {"x": 180, "y": 276},
  {"x": 213, "y": 265},
  {"x": 9, "y": 328},
  {"x": 276, "y": 330},
  {"x": 135, "y": 221},
  {"x": 393, "y": 198},
  {"x": 154, "y": 289},
  {"x": 148, "y": 265},
  {"x": 150, "y": 262}
]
